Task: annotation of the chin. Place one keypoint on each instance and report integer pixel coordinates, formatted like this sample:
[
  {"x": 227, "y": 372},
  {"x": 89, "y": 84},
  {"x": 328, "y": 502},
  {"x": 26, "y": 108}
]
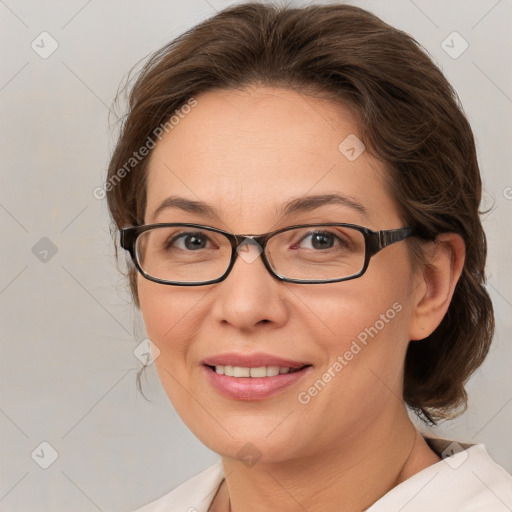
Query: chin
[{"x": 240, "y": 442}]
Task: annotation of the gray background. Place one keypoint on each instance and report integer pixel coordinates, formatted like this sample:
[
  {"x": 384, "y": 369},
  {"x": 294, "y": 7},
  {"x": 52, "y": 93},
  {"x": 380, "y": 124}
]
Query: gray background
[{"x": 68, "y": 330}]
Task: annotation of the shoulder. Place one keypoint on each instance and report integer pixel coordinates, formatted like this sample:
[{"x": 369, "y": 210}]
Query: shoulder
[
  {"x": 467, "y": 479},
  {"x": 194, "y": 495}
]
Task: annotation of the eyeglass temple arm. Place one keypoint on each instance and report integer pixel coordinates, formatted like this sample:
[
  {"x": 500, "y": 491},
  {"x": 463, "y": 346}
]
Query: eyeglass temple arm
[
  {"x": 126, "y": 237},
  {"x": 390, "y": 236},
  {"x": 123, "y": 242}
]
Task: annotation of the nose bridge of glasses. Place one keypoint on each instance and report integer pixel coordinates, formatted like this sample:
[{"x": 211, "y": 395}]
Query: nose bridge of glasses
[{"x": 248, "y": 247}]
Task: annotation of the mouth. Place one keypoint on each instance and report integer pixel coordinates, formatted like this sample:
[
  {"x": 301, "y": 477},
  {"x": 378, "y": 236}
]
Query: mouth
[{"x": 255, "y": 382}]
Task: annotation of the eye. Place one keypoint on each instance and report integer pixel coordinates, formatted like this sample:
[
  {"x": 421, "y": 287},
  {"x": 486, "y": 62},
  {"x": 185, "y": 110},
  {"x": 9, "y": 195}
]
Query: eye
[
  {"x": 190, "y": 241},
  {"x": 322, "y": 240}
]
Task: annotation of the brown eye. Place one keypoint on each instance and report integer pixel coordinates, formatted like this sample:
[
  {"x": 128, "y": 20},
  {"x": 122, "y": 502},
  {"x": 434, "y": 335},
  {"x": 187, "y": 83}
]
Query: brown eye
[{"x": 191, "y": 241}]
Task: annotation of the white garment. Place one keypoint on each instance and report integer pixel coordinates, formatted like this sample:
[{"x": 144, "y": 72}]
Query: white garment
[{"x": 465, "y": 481}]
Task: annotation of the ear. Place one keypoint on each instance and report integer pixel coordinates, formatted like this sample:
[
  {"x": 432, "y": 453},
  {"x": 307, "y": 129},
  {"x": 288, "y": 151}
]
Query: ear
[{"x": 436, "y": 283}]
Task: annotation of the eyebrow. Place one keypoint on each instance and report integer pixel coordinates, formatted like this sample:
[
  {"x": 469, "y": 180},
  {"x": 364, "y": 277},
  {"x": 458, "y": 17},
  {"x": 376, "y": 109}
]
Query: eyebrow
[{"x": 293, "y": 206}]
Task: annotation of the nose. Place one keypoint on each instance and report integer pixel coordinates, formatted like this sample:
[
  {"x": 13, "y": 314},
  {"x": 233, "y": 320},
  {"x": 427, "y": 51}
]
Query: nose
[{"x": 250, "y": 295}]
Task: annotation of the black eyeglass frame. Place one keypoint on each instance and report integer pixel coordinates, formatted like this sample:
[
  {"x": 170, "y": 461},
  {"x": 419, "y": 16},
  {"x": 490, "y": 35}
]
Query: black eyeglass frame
[{"x": 374, "y": 241}]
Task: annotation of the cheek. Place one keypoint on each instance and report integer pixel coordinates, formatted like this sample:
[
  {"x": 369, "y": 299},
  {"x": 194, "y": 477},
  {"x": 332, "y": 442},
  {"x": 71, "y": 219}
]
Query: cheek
[
  {"x": 362, "y": 328},
  {"x": 355, "y": 309},
  {"x": 172, "y": 320},
  {"x": 367, "y": 339},
  {"x": 363, "y": 342},
  {"x": 171, "y": 316}
]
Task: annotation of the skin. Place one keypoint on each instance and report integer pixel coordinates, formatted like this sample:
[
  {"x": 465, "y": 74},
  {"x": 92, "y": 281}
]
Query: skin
[{"x": 246, "y": 152}]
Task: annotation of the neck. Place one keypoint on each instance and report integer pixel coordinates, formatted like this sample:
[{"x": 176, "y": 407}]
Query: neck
[{"x": 352, "y": 473}]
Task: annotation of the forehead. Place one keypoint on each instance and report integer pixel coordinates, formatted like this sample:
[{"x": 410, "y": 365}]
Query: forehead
[{"x": 246, "y": 152}]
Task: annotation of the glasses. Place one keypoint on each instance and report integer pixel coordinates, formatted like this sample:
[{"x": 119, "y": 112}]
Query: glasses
[{"x": 185, "y": 254}]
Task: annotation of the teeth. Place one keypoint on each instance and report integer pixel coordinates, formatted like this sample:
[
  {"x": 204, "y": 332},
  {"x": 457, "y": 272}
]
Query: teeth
[
  {"x": 240, "y": 371},
  {"x": 256, "y": 372}
]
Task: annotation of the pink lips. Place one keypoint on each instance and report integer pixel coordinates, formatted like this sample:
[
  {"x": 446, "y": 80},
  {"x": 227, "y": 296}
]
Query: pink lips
[{"x": 253, "y": 388}]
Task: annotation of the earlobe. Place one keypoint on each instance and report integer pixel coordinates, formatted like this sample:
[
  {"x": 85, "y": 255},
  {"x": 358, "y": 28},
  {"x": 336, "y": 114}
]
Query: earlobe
[{"x": 444, "y": 264}]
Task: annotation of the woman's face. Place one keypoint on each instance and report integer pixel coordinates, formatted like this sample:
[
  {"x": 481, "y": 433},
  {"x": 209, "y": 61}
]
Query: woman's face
[{"x": 247, "y": 153}]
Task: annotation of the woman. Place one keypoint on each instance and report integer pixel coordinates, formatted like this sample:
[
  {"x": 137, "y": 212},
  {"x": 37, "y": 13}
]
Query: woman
[{"x": 296, "y": 352}]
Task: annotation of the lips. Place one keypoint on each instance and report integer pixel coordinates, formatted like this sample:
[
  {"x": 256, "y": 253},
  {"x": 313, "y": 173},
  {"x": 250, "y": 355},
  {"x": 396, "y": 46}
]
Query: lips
[{"x": 253, "y": 376}]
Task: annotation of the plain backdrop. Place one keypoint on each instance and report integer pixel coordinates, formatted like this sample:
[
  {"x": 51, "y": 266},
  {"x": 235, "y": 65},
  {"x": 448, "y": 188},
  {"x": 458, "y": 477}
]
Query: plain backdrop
[{"x": 68, "y": 329}]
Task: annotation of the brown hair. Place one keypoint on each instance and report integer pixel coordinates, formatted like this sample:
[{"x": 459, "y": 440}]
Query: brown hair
[{"x": 409, "y": 116}]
